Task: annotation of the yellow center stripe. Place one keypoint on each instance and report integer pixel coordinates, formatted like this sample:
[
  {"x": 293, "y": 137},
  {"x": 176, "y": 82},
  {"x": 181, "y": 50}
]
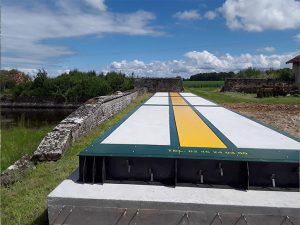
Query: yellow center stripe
[
  {"x": 192, "y": 131},
  {"x": 174, "y": 94},
  {"x": 177, "y": 99}
]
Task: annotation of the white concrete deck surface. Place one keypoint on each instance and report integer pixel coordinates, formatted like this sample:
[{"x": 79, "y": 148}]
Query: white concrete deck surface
[
  {"x": 148, "y": 126},
  {"x": 246, "y": 133}
]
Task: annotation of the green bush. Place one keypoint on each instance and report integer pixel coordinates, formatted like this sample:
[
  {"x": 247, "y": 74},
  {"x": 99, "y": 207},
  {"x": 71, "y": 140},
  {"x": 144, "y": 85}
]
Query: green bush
[
  {"x": 283, "y": 74},
  {"x": 250, "y": 73},
  {"x": 118, "y": 81},
  {"x": 22, "y": 89},
  {"x": 75, "y": 84},
  {"x": 213, "y": 76}
]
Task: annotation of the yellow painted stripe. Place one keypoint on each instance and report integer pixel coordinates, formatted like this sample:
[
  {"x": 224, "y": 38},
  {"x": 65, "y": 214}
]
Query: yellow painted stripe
[
  {"x": 175, "y": 94},
  {"x": 177, "y": 99},
  {"x": 192, "y": 131}
]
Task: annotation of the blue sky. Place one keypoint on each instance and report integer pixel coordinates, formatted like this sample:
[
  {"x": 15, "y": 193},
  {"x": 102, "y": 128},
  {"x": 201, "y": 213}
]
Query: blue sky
[{"x": 149, "y": 37}]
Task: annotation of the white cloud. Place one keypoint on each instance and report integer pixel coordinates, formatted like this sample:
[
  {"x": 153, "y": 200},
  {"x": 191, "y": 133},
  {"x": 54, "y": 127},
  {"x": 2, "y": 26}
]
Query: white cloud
[
  {"x": 187, "y": 15},
  {"x": 26, "y": 30},
  {"x": 97, "y": 4},
  {"x": 266, "y": 49},
  {"x": 197, "y": 62},
  {"x": 297, "y": 37},
  {"x": 210, "y": 15},
  {"x": 63, "y": 71},
  {"x": 260, "y": 15}
]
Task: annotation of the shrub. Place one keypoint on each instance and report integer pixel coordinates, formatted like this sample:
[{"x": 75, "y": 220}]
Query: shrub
[{"x": 75, "y": 84}]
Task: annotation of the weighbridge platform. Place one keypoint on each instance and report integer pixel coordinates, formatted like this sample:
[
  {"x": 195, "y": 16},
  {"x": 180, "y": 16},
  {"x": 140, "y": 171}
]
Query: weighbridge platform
[{"x": 183, "y": 139}]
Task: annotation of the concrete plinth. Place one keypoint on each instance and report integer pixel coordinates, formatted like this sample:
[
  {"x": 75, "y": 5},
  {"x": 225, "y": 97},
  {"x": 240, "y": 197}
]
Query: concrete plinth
[{"x": 89, "y": 204}]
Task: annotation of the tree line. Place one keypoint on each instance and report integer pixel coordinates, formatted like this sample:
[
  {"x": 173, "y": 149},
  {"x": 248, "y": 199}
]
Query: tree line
[
  {"x": 282, "y": 74},
  {"x": 75, "y": 84}
]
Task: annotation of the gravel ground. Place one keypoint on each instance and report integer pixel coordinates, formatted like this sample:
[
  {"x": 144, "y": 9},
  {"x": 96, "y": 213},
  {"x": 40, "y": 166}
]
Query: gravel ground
[{"x": 283, "y": 117}]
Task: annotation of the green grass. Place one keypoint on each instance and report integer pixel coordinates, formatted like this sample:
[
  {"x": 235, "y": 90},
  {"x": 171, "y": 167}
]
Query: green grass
[
  {"x": 215, "y": 95},
  {"x": 25, "y": 202},
  {"x": 18, "y": 141},
  {"x": 201, "y": 84}
]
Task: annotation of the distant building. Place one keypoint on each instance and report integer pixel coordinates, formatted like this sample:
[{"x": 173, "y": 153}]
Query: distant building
[{"x": 296, "y": 69}]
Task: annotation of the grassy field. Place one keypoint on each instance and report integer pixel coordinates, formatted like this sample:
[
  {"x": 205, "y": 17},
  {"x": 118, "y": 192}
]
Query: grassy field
[
  {"x": 214, "y": 94},
  {"x": 25, "y": 202},
  {"x": 18, "y": 141}
]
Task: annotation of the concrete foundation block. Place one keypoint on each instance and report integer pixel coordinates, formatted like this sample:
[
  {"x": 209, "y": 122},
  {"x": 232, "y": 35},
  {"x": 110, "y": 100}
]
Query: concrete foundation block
[{"x": 91, "y": 204}]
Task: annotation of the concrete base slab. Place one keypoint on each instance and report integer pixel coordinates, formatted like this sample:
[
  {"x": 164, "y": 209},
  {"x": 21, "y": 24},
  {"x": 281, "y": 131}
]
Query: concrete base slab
[{"x": 89, "y": 204}]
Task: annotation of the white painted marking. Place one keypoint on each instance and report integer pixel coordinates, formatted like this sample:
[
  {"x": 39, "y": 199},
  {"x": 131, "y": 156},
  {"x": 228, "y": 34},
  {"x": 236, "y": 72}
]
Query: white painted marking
[
  {"x": 198, "y": 101},
  {"x": 142, "y": 194},
  {"x": 187, "y": 94},
  {"x": 161, "y": 94},
  {"x": 245, "y": 133},
  {"x": 149, "y": 125},
  {"x": 158, "y": 101}
]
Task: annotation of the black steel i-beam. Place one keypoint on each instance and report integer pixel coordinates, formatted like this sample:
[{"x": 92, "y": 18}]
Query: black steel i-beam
[{"x": 190, "y": 172}]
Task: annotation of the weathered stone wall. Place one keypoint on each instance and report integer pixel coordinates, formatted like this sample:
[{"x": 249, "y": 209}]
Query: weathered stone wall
[
  {"x": 252, "y": 85},
  {"x": 80, "y": 122},
  {"x": 159, "y": 84}
]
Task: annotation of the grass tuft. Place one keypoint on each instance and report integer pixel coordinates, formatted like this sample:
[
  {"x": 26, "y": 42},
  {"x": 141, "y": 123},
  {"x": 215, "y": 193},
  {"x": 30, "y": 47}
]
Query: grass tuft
[{"x": 20, "y": 140}]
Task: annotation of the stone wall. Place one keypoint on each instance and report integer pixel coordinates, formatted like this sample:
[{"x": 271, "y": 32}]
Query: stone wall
[
  {"x": 252, "y": 85},
  {"x": 80, "y": 122},
  {"x": 159, "y": 84}
]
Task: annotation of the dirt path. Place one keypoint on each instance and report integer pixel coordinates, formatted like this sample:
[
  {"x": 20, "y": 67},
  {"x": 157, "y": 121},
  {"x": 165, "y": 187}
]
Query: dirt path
[{"x": 283, "y": 117}]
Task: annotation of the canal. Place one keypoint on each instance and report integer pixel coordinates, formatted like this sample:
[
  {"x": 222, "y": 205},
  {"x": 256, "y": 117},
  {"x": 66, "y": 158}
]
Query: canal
[{"x": 31, "y": 117}]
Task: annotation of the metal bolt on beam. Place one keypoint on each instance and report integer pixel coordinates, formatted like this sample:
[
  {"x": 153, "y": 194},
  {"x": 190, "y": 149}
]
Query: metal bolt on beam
[
  {"x": 221, "y": 169},
  {"x": 151, "y": 175},
  {"x": 128, "y": 166},
  {"x": 273, "y": 180},
  {"x": 201, "y": 176}
]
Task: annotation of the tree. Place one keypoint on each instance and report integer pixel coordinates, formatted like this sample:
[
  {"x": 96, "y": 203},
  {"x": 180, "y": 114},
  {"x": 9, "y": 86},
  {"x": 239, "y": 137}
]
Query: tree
[{"x": 75, "y": 84}]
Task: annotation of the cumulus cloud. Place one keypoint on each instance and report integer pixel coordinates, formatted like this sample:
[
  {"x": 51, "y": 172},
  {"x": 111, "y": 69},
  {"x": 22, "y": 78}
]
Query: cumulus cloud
[
  {"x": 198, "y": 62},
  {"x": 266, "y": 49},
  {"x": 97, "y": 4},
  {"x": 25, "y": 31},
  {"x": 260, "y": 15},
  {"x": 210, "y": 15},
  {"x": 187, "y": 15},
  {"x": 297, "y": 37}
]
